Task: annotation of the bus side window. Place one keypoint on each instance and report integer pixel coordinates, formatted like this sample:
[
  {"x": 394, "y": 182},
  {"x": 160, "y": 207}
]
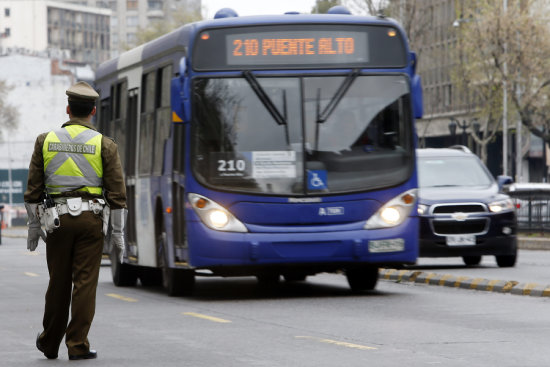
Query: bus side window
[
  {"x": 147, "y": 121},
  {"x": 163, "y": 116},
  {"x": 121, "y": 95}
]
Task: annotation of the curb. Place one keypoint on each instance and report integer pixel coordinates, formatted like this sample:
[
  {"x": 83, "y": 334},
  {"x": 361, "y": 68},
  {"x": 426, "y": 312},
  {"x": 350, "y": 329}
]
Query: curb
[{"x": 465, "y": 282}]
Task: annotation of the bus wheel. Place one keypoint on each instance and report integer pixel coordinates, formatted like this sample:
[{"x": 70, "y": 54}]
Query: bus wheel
[
  {"x": 124, "y": 275},
  {"x": 268, "y": 280},
  {"x": 295, "y": 277},
  {"x": 362, "y": 279},
  {"x": 177, "y": 282}
]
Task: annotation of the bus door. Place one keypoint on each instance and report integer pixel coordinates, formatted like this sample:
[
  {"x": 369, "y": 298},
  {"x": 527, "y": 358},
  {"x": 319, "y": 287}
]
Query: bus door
[
  {"x": 178, "y": 193},
  {"x": 130, "y": 159}
]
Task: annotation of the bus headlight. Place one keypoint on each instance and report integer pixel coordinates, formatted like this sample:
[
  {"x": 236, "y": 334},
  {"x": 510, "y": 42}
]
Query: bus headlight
[
  {"x": 218, "y": 218},
  {"x": 215, "y": 216},
  {"x": 394, "y": 212}
]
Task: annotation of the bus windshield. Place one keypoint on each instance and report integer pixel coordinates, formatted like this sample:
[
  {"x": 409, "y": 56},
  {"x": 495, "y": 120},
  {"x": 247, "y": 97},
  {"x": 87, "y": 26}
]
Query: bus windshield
[{"x": 304, "y": 135}]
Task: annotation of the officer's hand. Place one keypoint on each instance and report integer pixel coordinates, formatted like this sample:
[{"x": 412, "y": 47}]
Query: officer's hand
[
  {"x": 34, "y": 234},
  {"x": 117, "y": 244}
]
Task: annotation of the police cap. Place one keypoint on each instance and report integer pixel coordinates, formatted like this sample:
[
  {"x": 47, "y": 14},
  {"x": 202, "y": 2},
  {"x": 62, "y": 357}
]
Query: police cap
[{"x": 82, "y": 91}]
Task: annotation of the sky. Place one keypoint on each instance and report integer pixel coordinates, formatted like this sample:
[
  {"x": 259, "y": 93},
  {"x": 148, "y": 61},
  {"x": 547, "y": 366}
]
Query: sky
[{"x": 256, "y": 7}]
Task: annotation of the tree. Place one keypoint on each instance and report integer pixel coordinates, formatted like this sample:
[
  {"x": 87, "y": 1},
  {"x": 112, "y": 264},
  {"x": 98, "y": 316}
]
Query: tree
[
  {"x": 322, "y": 6},
  {"x": 174, "y": 18},
  {"x": 9, "y": 116},
  {"x": 365, "y": 7},
  {"x": 509, "y": 47}
]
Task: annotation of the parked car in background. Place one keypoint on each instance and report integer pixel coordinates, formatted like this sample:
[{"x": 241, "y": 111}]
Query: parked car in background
[{"x": 462, "y": 209}]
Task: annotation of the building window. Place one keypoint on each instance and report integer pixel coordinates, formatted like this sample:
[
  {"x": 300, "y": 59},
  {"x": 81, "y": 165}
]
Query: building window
[
  {"x": 131, "y": 4},
  {"x": 132, "y": 21},
  {"x": 7, "y": 32},
  {"x": 6, "y": 12}
]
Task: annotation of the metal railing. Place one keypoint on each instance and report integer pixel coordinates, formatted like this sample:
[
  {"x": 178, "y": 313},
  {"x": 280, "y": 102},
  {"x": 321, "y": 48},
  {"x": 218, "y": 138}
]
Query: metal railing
[{"x": 532, "y": 201}]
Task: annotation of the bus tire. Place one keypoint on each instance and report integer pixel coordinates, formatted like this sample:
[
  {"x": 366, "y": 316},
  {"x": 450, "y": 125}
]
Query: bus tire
[
  {"x": 268, "y": 279},
  {"x": 471, "y": 260},
  {"x": 124, "y": 275},
  {"x": 295, "y": 277},
  {"x": 363, "y": 278},
  {"x": 178, "y": 282}
]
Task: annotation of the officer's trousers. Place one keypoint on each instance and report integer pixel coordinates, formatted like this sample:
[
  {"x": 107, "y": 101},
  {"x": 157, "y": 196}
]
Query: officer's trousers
[{"x": 73, "y": 253}]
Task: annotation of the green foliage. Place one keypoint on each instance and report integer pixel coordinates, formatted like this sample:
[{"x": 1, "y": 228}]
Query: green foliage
[{"x": 322, "y": 6}]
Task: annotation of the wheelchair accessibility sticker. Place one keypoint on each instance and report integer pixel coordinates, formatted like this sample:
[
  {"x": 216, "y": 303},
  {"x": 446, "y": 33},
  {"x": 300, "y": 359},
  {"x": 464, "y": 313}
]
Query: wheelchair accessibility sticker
[{"x": 317, "y": 179}]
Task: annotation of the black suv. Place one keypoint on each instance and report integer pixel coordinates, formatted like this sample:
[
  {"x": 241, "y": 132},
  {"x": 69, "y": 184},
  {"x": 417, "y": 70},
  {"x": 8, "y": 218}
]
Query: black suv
[{"x": 462, "y": 209}]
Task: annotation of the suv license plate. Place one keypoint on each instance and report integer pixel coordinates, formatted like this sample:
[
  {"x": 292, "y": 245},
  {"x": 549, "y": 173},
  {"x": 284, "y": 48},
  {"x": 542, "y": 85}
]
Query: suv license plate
[{"x": 461, "y": 240}]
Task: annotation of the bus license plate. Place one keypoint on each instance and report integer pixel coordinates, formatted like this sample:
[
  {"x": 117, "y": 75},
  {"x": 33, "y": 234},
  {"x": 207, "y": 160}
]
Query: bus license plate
[
  {"x": 461, "y": 240},
  {"x": 392, "y": 245}
]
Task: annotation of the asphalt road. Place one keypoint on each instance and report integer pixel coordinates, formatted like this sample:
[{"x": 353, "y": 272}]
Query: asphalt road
[{"x": 234, "y": 322}]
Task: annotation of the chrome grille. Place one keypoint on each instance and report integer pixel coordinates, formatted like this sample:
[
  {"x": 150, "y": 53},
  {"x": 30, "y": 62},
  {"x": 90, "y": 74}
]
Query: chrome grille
[{"x": 458, "y": 208}]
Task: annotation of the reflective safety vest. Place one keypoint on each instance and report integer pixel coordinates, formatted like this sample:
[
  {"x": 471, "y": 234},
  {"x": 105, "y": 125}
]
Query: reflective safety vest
[{"x": 72, "y": 160}]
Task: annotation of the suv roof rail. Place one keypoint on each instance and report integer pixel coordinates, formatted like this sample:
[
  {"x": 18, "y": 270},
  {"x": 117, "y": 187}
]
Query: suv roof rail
[{"x": 461, "y": 147}]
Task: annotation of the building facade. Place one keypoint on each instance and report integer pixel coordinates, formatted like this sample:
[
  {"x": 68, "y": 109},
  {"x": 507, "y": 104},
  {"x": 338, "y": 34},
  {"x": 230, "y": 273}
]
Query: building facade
[
  {"x": 130, "y": 16},
  {"x": 449, "y": 114},
  {"x": 81, "y": 33}
]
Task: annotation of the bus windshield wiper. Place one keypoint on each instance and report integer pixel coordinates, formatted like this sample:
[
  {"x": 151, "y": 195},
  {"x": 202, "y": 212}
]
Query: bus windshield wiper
[
  {"x": 262, "y": 95},
  {"x": 336, "y": 98}
]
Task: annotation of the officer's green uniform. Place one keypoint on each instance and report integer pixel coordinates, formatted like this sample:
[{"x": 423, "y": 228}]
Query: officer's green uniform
[{"x": 74, "y": 161}]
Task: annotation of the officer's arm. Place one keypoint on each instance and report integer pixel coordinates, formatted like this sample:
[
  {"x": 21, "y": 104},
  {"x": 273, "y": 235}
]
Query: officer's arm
[
  {"x": 113, "y": 177},
  {"x": 35, "y": 181}
]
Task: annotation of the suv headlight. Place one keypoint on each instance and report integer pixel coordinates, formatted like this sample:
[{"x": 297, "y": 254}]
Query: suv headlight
[
  {"x": 501, "y": 205},
  {"x": 215, "y": 216},
  {"x": 394, "y": 212},
  {"x": 422, "y": 209}
]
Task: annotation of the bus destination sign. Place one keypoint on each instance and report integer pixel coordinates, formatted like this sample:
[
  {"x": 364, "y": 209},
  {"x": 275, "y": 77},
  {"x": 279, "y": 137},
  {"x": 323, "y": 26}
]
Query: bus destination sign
[
  {"x": 291, "y": 47},
  {"x": 299, "y": 46}
]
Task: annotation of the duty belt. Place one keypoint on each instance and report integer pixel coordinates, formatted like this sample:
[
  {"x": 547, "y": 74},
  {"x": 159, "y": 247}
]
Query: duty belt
[{"x": 75, "y": 206}]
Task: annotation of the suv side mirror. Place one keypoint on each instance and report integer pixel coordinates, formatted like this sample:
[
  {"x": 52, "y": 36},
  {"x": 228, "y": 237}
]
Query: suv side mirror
[{"x": 504, "y": 180}]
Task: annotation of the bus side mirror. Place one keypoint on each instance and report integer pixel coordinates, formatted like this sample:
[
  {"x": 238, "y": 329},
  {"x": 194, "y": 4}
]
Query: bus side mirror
[
  {"x": 416, "y": 88},
  {"x": 179, "y": 95},
  {"x": 416, "y": 94}
]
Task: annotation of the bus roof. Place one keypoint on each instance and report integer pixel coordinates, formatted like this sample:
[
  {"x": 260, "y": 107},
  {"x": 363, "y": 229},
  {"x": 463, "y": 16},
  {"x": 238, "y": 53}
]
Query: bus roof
[{"x": 180, "y": 37}]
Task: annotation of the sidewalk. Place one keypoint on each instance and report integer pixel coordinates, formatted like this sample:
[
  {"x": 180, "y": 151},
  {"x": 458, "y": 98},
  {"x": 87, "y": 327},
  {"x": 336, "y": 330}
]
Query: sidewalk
[{"x": 524, "y": 242}]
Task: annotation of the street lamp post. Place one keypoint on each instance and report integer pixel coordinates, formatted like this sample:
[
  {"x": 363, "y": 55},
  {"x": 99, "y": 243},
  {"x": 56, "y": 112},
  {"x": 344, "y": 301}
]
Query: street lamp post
[{"x": 464, "y": 125}]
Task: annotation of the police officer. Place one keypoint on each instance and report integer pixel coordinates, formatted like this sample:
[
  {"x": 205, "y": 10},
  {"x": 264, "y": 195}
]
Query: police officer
[{"x": 80, "y": 171}]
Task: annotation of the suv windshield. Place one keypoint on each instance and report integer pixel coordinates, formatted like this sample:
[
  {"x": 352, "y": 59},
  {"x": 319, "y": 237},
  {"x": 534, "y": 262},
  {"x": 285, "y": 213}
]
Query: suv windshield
[
  {"x": 452, "y": 171},
  {"x": 302, "y": 135}
]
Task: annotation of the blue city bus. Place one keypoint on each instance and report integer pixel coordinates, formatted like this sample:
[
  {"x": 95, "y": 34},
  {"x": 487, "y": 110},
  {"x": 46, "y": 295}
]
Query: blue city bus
[{"x": 267, "y": 146}]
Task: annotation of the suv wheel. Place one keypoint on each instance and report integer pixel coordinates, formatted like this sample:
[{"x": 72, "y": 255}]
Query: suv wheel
[
  {"x": 471, "y": 260},
  {"x": 506, "y": 261}
]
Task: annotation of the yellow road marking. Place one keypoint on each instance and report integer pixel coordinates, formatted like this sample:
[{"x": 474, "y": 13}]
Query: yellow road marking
[
  {"x": 122, "y": 298},
  {"x": 338, "y": 343},
  {"x": 29, "y": 274},
  {"x": 206, "y": 317}
]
